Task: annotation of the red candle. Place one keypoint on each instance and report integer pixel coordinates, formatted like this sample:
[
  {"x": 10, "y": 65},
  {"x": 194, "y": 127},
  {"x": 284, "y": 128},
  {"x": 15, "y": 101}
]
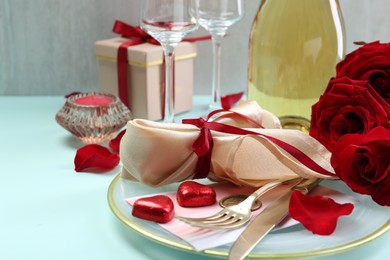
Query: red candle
[{"x": 93, "y": 100}]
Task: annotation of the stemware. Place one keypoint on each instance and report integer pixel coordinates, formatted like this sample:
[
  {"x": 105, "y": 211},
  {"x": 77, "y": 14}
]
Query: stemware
[
  {"x": 216, "y": 17},
  {"x": 168, "y": 21}
]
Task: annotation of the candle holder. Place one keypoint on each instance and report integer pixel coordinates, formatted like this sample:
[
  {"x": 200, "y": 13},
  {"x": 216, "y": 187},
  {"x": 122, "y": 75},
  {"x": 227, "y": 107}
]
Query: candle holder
[{"x": 93, "y": 117}]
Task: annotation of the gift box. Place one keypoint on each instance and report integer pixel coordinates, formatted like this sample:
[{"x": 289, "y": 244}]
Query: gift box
[{"x": 145, "y": 76}]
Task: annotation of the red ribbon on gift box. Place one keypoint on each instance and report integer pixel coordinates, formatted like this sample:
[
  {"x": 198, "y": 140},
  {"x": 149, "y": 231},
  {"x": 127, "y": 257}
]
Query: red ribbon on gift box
[{"x": 136, "y": 36}]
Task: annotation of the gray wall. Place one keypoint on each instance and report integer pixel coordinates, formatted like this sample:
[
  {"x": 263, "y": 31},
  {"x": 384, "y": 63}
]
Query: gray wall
[{"x": 46, "y": 46}]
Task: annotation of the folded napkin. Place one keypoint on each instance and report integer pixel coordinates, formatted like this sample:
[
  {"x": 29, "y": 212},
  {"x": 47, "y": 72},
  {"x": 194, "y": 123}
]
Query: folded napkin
[{"x": 161, "y": 153}]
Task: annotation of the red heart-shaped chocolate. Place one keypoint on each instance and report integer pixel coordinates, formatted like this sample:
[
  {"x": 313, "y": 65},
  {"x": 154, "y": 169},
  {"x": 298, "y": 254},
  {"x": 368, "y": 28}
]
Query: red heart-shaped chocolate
[
  {"x": 157, "y": 208},
  {"x": 193, "y": 194}
]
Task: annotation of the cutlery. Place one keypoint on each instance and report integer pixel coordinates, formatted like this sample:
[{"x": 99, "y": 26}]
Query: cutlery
[
  {"x": 235, "y": 216},
  {"x": 266, "y": 221}
]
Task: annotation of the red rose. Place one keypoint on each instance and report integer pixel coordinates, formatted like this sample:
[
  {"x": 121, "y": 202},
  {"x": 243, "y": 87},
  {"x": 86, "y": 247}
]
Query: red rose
[
  {"x": 347, "y": 107},
  {"x": 369, "y": 62},
  {"x": 363, "y": 163}
]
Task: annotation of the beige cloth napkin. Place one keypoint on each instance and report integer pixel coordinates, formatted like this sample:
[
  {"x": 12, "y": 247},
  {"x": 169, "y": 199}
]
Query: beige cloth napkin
[{"x": 159, "y": 153}]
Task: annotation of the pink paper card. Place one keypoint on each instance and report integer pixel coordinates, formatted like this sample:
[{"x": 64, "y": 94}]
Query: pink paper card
[{"x": 201, "y": 239}]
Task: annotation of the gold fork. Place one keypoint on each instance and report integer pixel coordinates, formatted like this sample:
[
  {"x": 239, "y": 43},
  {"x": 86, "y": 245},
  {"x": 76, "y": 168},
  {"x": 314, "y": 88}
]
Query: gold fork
[{"x": 234, "y": 216}]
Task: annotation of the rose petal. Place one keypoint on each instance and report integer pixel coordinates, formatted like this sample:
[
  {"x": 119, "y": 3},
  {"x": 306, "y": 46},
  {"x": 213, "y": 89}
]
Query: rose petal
[
  {"x": 114, "y": 143},
  {"x": 95, "y": 158},
  {"x": 228, "y": 101},
  {"x": 318, "y": 214}
]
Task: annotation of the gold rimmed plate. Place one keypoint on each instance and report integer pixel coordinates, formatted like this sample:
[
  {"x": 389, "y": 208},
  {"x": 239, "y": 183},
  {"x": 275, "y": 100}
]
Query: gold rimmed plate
[{"x": 367, "y": 222}]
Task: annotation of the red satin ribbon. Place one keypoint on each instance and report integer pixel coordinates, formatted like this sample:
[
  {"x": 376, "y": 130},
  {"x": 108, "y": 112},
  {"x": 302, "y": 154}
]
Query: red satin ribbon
[
  {"x": 203, "y": 145},
  {"x": 136, "y": 36}
]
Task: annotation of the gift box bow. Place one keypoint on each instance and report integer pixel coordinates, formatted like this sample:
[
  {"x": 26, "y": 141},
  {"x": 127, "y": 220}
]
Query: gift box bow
[{"x": 136, "y": 36}]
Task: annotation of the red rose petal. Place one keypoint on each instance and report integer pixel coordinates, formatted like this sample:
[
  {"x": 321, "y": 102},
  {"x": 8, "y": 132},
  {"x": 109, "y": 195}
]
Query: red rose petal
[
  {"x": 95, "y": 158},
  {"x": 228, "y": 101},
  {"x": 318, "y": 214},
  {"x": 114, "y": 143}
]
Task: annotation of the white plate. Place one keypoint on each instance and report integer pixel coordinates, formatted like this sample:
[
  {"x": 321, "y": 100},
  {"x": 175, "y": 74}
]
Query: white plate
[{"x": 367, "y": 222}]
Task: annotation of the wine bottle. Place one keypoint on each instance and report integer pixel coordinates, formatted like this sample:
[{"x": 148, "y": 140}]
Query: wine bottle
[{"x": 294, "y": 49}]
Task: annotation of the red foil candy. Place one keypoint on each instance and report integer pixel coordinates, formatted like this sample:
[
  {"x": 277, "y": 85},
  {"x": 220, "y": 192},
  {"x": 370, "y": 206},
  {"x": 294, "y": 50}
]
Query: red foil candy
[
  {"x": 157, "y": 208},
  {"x": 193, "y": 194}
]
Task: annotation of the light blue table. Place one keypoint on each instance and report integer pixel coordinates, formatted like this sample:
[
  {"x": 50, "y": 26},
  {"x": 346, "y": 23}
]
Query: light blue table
[{"x": 48, "y": 211}]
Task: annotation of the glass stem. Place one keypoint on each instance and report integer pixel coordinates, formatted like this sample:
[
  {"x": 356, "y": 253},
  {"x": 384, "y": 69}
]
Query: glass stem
[
  {"x": 168, "y": 107},
  {"x": 216, "y": 78}
]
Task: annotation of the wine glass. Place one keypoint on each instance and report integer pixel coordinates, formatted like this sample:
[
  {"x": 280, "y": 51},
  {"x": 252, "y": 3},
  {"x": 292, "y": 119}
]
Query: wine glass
[
  {"x": 216, "y": 17},
  {"x": 168, "y": 21}
]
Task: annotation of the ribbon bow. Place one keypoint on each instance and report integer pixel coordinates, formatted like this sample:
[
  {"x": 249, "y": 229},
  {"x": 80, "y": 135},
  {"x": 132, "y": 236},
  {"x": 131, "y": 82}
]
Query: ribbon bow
[
  {"x": 203, "y": 145},
  {"x": 136, "y": 36},
  {"x": 135, "y": 33}
]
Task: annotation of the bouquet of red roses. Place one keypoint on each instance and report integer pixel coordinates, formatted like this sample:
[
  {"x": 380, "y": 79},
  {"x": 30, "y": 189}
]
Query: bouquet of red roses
[{"x": 352, "y": 119}]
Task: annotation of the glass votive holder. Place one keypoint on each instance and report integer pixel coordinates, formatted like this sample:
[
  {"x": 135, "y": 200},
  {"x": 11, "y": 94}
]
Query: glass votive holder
[{"x": 93, "y": 117}]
